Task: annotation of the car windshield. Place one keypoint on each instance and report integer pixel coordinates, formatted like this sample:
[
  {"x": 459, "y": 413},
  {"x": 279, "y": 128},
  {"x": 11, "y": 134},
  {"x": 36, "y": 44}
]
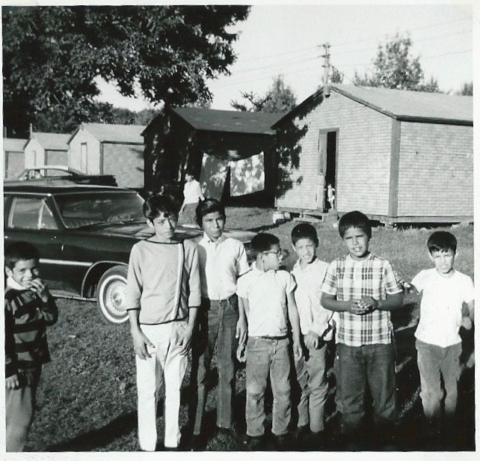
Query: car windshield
[{"x": 78, "y": 210}]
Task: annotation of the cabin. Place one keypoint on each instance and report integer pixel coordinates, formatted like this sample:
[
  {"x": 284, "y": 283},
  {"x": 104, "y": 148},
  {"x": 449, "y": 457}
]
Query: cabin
[
  {"x": 46, "y": 149},
  {"x": 398, "y": 156},
  {"x": 13, "y": 157}
]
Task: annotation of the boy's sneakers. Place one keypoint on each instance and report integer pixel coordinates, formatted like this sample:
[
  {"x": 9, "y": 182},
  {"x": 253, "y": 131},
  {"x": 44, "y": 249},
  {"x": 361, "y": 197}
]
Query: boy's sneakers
[{"x": 252, "y": 443}]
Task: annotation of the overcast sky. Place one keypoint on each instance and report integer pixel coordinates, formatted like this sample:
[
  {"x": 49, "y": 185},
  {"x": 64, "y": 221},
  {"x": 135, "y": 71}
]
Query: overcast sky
[{"x": 286, "y": 40}]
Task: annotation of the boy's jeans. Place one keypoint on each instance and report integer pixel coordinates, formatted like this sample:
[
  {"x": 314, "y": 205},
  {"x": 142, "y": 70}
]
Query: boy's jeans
[
  {"x": 312, "y": 380},
  {"x": 166, "y": 366},
  {"x": 20, "y": 409},
  {"x": 373, "y": 364},
  {"x": 264, "y": 357},
  {"x": 435, "y": 363},
  {"x": 216, "y": 325}
]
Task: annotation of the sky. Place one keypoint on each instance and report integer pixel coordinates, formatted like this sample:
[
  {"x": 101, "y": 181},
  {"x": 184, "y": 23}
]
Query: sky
[{"x": 282, "y": 39}]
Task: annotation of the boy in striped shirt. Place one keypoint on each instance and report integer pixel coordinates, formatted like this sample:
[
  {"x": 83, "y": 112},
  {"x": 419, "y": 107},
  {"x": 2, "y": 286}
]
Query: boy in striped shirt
[
  {"x": 363, "y": 288},
  {"x": 29, "y": 309}
]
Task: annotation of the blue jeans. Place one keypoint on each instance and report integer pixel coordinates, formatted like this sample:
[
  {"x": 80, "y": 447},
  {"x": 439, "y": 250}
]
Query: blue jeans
[
  {"x": 267, "y": 357},
  {"x": 312, "y": 380},
  {"x": 216, "y": 325},
  {"x": 435, "y": 363},
  {"x": 373, "y": 365}
]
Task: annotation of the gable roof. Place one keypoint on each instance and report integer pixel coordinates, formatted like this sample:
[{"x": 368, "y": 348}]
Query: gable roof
[
  {"x": 413, "y": 106},
  {"x": 13, "y": 144},
  {"x": 229, "y": 120},
  {"x": 104, "y": 132},
  {"x": 50, "y": 141}
]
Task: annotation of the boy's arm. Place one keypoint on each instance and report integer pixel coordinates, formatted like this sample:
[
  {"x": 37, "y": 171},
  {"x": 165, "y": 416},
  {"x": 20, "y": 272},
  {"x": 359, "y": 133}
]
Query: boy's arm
[
  {"x": 330, "y": 302},
  {"x": 186, "y": 339},
  {"x": 391, "y": 303},
  {"x": 295, "y": 323},
  {"x": 140, "y": 341},
  {"x": 242, "y": 324},
  {"x": 11, "y": 377}
]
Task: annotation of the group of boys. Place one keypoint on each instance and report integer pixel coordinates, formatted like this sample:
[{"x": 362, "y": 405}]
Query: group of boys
[{"x": 204, "y": 297}]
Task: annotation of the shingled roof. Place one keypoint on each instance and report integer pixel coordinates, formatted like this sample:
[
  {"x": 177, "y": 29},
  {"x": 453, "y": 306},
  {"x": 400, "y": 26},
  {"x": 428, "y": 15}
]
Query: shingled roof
[
  {"x": 414, "y": 106},
  {"x": 51, "y": 141},
  {"x": 103, "y": 132},
  {"x": 13, "y": 144},
  {"x": 229, "y": 120}
]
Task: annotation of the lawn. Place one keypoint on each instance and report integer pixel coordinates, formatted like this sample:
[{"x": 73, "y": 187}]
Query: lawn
[{"x": 87, "y": 396}]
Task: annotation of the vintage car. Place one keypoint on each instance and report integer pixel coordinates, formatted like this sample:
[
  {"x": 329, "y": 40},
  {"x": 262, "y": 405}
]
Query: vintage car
[
  {"x": 84, "y": 235},
  {"x": 58, "y": 174}
]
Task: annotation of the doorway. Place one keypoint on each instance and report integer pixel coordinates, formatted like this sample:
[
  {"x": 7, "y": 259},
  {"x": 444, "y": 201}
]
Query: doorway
[{"x": 327, "y": 154}]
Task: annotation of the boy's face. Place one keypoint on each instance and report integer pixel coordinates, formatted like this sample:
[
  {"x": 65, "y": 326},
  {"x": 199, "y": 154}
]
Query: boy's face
[
  {"x": 213, "y": 224},
  {"x": 164, "y": 225},
  {"x": 444, "y": 261},
  {"x": 356, "y": 241},
  {"x": 24, "y": 272},
  {"x": 306, "y": 250},
  {"x": 188, "y": 177},
  {"x": 272, "y": 258}
]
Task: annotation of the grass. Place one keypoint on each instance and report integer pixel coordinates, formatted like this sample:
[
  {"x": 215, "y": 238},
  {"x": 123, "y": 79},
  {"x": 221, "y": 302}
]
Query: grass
[{"x": 87, "y": 396}]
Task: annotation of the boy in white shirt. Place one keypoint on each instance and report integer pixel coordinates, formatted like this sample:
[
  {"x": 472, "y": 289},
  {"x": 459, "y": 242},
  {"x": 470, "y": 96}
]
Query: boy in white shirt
[
  {"x": 439, "y": 345},
  {"x": 222, "y": 260},
  {"x": 267, "y": 306},
  {"x": 309, "y": 273}
]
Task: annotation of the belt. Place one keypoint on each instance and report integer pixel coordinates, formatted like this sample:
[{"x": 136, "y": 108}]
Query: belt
[
  {"x": 270, "y": 338},
  {"x": 219, "y": 300}
]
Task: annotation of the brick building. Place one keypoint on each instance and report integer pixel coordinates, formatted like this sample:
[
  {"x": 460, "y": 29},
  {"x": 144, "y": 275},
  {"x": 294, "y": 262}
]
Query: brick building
[
  {"x": 13, "y": 157},
  {"x": 232, "y": 153},
  {"x": 398, "y": 156},
  {"x": 46, "y": 149},
  {"x": 98, "y": 148}
]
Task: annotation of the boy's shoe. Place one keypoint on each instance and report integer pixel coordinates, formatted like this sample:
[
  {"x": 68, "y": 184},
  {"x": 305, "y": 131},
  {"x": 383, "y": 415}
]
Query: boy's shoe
[
  {"x": 196, "y": 443},
  {"x": 301, "y": 433},
  {"x": 227, "y": 431},
  {"x": 252, "y": 443},
  {"x": 282, "y": 442}
]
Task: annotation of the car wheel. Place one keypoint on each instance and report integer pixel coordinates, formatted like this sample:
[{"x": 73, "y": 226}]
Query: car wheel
[{"x": 111, "y": 295}]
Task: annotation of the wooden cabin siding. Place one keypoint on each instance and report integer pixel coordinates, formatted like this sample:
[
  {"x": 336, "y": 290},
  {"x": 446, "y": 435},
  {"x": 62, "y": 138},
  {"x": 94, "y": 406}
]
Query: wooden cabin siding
[
  {"x": 436, "y": 170},
  {"x": 125, "y": 161},
  {"x": 93, "y": 153},
  {"x": 56, "y": 157}
]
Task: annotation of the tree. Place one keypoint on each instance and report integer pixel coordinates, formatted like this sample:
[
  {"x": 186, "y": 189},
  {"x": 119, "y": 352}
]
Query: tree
[
  {"x": 467, "y": 89},
  {"x": 337, "y": 76},
  {"x": 51, "y": 56},
  {"x": 279, "y": 98},
  {"x": 394, "y": 67}
]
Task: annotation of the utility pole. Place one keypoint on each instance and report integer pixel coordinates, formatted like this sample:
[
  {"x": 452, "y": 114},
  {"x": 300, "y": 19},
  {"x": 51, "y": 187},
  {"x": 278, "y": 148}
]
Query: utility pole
[{"x": 326, "y": 70}]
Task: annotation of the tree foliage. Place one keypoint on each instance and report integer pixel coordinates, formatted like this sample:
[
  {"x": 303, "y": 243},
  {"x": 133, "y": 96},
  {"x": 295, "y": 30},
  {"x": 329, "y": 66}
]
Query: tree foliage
[
  {"x": 51, "y": 56},
  {"x": 279, "y": 98},
  {"x": 337, "y": 76},
  {"x": 394, "y": 67},
  {"x": 467, "y": 89}
]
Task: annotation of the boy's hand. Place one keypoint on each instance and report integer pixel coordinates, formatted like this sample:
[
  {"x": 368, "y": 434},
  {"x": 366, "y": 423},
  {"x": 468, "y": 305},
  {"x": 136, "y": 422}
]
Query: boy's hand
[
  {"x": 367, "y": 303},
  {"x": 185, "y": 340},
  {"x": 467, "y": 323},
  {"x": 297, "y": 349},
  {"x": 312, "y": 340},
  {"x": 242, "y": 353},
  {"x": 12, "y": 382},
  {"x": 141, "y": 344},
  {"x": 356, "y": 309},
  {"x": 241, "y": 331},
  {"x": 39, "y": 287}
]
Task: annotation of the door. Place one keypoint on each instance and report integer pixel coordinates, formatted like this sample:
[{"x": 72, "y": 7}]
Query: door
[{"x": 327, "y": 164}]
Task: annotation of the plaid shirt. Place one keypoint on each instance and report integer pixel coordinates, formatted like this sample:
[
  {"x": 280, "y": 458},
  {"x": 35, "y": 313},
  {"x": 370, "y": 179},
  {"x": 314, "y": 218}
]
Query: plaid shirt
[{"x": 351, "y": 280}]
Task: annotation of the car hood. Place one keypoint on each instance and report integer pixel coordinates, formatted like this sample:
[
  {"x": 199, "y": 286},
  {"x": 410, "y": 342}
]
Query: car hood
[{"x": 140, "y": 231}]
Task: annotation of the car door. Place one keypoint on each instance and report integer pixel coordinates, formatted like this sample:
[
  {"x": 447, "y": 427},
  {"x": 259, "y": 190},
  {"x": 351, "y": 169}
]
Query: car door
[{"x": 29, "y": 218}]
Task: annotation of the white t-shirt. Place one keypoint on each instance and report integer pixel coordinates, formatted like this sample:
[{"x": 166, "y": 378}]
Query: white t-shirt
[
  {"x": 192, "y": 192},
  {"x": 221, "y": 263},
  {"x": 441, "y": 306},
  {"x": 266, "y": 293},
  {"x": 313, "y": 317}
]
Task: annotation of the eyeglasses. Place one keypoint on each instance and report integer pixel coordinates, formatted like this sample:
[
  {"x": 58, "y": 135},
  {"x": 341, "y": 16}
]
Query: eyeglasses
[{"x": 279, "y": 253}]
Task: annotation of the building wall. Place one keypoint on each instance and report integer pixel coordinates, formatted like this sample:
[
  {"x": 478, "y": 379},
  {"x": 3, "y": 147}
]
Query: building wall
[
  {"x": 56, "y": 157},
  {"x": 435, "y": 170},
  {"x": 93, "y": 153},
  {"x": 125, "y": 161},
  {"x": 14, "y": 164},
  {"x": 363, "y": 157},
  {"x": 34, "y": 154}
]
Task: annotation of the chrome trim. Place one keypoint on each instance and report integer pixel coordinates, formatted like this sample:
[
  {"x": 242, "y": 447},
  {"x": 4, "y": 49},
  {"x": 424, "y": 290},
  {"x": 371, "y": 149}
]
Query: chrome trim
[{"x": 65, "y": 263}]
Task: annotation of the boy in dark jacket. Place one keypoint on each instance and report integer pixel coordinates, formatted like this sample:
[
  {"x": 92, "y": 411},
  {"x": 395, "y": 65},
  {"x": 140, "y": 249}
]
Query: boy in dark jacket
[{"x": 29, "y": 309}]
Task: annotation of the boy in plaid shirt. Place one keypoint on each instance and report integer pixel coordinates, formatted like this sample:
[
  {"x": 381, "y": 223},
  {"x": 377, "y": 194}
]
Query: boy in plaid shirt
[{"x": 363, "y": 288}]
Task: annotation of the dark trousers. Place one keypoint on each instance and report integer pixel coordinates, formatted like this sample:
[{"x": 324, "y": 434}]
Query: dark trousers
[{"x": 217, "y": 325}]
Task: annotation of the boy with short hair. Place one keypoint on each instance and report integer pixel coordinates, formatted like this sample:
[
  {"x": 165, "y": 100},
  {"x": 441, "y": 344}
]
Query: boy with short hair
[
  {"x": 309, "y": 273},
  {"x": 363, "y": 288},
  {"x": 267, "y": 306},
  {"x": 29, "y": 310},
  {"x": 222, "y": 260},
  {"x": 438, "y": 342},
  {"x": 163, "y": 294}
]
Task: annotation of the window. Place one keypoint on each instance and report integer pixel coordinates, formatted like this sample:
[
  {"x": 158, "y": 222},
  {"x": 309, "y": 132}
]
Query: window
[{"x": 31, "y": 213}]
